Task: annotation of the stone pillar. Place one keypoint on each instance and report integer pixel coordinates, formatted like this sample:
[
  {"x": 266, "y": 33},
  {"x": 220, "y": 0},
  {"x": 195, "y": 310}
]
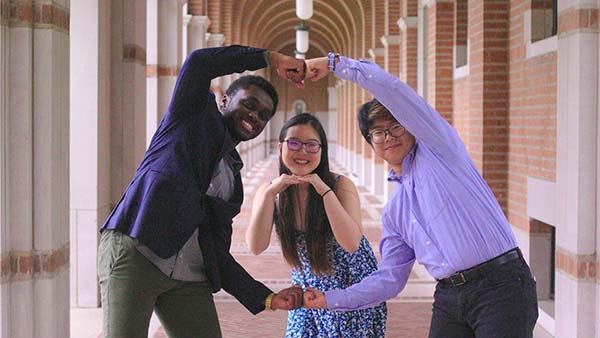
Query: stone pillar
[
  {"x": 168, "y": 62},
  {"x": 379, "y": 174},
  {"x": 332, "y": 123},
  {"x": 576, "y": 300},
  {"x": 90, "y": 160},
  {"x": 197, "y": 32},
  {"x": 128, "y": 92},
  {"x": 152, "y": 97},
  {"x": 366, "y": 151},
  {"x": 34, "y": 169},
  {"x": 216, "y": 40}
]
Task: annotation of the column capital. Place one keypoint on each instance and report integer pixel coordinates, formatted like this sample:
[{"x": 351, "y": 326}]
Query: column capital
[
  {"x": 199, "y": 20},
  {"x": 408, "y": 22},
  {"x": 390, "y": 40},
  {"x": 186, "y": 20},
  {"x": 375, "y": 52},
  {"x": 215, "y": 40}
]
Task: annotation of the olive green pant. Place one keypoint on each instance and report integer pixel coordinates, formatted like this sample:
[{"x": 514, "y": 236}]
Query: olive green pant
[{"x": 132, "y": 287}]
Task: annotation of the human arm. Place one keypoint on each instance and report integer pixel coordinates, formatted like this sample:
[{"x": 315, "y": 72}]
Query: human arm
[
  {"x": 342, "y": 206},
  {"x": 203, "y": 65},
  {"x": 258, "y": 235},
  {"x": 411, "y": 110},
  {"x": 383, "y": 284},
  {"x": 239, "y": 283}
]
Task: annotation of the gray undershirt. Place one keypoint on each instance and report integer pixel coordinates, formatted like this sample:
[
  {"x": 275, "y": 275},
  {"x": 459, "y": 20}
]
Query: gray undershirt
[{"x": 188, "y": 263}]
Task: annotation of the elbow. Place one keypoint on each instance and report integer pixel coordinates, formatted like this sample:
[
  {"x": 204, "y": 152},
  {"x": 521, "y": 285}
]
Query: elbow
[{"x": 255, "y": 249}]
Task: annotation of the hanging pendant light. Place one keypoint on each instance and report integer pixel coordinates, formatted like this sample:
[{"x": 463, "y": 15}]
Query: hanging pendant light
[
  {"x": 302, "y": 38},
  {"x": 304, "y": 9}
]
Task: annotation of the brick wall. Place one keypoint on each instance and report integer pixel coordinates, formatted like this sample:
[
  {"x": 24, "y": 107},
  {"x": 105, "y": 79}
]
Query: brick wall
[{"x": 532, "y": 115}]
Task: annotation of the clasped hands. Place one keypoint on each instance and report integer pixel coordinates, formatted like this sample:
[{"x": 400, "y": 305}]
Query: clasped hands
[{"x": 294, "y": 297}]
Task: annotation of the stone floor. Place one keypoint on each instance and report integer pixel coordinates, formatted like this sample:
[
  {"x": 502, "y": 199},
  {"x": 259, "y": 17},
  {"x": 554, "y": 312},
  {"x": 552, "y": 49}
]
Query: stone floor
[{"x": 408, "y": 315}]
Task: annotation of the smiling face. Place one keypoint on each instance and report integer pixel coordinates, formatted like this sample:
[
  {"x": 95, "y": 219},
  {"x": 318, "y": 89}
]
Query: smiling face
[
  {"x": 300, "y": 162},
  {"x": 393, "y": 149},
  {"x": 247, "y": 112}
]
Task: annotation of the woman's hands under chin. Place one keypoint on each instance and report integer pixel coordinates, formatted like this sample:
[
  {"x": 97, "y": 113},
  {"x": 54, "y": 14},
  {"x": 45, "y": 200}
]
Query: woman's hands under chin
[{"x": 315, "y": 181}]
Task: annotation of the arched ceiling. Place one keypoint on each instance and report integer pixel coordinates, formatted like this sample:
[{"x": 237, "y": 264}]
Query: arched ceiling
[{"x": 335, "y": 25}]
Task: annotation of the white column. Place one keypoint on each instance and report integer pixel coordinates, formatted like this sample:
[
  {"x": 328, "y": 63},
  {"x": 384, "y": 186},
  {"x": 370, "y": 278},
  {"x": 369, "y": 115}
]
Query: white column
[
  {"x": 576, "y": 174},
  {"x": 216, "y": 40},
  {"x": 89, "y": 144},
  {"x": 127, "y": 92},
  {"x": 34, "y": 209},
  {"x": 152, "y": 110},
  {"x": 332, "y": 122},
  {"x": 168, "y": 62},
  {"x": 5, "y": 95},
  {"x": 196, "y": 32}
]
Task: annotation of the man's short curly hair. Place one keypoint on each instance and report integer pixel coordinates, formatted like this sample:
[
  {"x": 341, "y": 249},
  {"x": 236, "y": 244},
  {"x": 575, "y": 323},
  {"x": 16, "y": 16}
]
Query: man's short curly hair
[{"x": 252, "y": 80}]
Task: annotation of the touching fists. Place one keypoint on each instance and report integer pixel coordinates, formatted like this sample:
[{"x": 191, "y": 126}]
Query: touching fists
[
  {"x": 287, "y": 299},
  {"x": 288, "y": 68},
  {"x": 316, "y": 68},
  {"x": 314, "y": 299}
]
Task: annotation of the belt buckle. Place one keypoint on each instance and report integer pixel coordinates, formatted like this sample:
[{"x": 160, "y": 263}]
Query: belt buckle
[{"x": 458, "y": 279}]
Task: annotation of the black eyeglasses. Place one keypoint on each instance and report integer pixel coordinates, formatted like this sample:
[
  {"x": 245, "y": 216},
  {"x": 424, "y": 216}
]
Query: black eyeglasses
[
  {"x": 310, "y": 146},
  {"x": 378, "y": 136}
]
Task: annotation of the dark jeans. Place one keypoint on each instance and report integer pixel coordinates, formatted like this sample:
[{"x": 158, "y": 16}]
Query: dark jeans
[{"x": 501, "y": 303}]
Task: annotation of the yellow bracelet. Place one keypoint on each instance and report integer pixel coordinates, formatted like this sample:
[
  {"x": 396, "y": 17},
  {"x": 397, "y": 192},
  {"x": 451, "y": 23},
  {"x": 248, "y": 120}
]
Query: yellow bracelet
[{"x": 268, "y": 302}]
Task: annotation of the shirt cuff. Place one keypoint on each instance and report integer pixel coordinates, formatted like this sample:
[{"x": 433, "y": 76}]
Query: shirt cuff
[
  {"x": 341, "y": 67},
  {"x": 336, "y": 299}
]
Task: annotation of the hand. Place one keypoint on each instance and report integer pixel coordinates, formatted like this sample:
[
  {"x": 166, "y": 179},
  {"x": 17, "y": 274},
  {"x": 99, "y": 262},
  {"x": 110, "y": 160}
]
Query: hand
[
  {"x": 288, "y": 68},
  {"x": 314, "y": 299},
  {"x": 281, "y": 183},
  {"x": 316, "y": 68},
  {"x": 315, "y": 181},
  {"x": 287, "y": 299}
]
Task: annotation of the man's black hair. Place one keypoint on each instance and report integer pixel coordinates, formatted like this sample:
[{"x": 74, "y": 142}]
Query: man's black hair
[{"x": 252, "y": 80}]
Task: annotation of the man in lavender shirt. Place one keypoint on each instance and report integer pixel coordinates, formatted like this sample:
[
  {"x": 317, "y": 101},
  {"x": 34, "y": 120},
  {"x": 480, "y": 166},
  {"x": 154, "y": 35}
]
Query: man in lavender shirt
[{"x": 442, "y": 214}]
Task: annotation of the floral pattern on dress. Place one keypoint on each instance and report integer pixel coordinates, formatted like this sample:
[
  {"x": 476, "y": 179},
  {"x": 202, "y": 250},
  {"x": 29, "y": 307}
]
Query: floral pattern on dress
[{"x": 348, "y": 269}]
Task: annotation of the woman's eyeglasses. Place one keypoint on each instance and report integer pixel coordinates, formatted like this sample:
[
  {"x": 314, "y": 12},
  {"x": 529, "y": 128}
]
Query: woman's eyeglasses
[
  {"x": 378, "y": 136},
  {"x": 310, "y": 146}
]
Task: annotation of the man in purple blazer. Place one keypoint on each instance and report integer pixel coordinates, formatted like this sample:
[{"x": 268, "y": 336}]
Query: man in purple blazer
[{"x": 165, "y": 246}]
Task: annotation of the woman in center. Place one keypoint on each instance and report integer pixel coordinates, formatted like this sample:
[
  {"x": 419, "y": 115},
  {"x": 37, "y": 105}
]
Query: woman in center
[{"x": 317, "y": 218}]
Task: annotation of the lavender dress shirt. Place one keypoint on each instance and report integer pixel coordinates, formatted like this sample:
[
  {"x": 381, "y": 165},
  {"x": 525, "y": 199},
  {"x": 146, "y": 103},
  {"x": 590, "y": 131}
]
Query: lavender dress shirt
[{"x": 443, "y": 213}]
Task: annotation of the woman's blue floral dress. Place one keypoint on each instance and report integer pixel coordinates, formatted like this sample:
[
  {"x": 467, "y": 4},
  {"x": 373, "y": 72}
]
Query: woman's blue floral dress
[{"x": 348, "y": 269}]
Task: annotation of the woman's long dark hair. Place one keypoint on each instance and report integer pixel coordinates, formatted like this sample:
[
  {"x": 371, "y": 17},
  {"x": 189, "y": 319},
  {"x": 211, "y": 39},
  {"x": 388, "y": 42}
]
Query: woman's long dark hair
[{"x": 318, "y": 230}]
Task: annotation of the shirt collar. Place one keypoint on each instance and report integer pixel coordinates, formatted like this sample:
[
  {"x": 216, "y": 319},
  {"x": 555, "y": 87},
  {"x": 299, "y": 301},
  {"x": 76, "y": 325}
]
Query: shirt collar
[{"x": 406, "y": 164}]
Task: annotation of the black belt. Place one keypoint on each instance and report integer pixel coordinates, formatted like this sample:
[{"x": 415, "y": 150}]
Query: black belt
[{"x": 477, "y": 271}]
